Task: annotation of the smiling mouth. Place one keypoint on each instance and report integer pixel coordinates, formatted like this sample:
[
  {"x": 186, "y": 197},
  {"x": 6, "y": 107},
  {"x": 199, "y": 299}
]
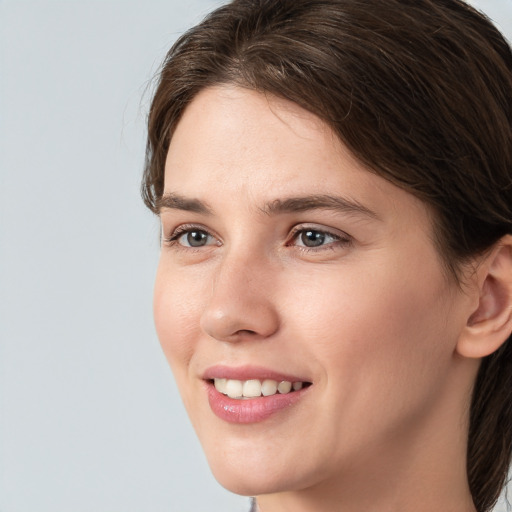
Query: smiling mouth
[{"x": 255, "y": 388}]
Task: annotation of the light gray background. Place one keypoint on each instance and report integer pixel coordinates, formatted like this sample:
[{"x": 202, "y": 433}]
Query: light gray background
[{"x": 90, "y": 419}]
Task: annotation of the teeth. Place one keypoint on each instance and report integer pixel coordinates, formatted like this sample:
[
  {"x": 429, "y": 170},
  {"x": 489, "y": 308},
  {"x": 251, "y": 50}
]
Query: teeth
[
  {"x": 269, "y": 387},
  {"x": 220, "y": 385},
  {"x": 234, "y": 388},
  {"x": 254, "y": 388},
  {"x": 284, "y": 387}
]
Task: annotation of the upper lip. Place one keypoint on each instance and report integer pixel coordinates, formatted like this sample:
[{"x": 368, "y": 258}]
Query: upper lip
[{"x": 249, "y": 372}]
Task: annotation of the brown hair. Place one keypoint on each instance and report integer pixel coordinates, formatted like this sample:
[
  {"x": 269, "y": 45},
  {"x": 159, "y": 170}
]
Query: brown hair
[{"x": 420, "y": 91}]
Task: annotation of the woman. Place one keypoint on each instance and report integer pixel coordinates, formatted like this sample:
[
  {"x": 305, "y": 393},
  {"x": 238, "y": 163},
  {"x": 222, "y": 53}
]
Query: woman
[{"x": 334, "y": 293}]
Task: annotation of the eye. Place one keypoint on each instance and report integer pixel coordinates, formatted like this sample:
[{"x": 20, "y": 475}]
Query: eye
[
  {"x": 194, "y": 238},
  {"x": 312, "y": 238},
  {"x": 191, "y": 236}
]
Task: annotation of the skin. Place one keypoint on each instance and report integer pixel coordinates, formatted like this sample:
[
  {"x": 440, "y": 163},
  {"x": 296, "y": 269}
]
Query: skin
[{"x": 369, "y": 317}]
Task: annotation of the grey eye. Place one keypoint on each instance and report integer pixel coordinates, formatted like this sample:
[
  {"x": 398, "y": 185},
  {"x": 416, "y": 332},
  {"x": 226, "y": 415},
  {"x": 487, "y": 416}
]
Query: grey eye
[
  {"x": 312, "y": 238},
  {"x": 194, "y": 238}
]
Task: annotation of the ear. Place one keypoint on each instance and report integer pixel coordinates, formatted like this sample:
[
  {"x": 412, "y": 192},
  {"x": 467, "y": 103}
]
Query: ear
[{"x": 490, "y": 324}]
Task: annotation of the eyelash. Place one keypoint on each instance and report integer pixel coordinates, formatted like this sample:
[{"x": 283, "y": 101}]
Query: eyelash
[
  {"x": 339, "y": 240},
  {"x": 173, "y": 239}
]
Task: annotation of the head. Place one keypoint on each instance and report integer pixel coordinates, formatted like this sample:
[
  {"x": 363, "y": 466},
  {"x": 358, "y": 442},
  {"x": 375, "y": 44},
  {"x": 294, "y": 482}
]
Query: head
[{"x": 417, "y": 97}]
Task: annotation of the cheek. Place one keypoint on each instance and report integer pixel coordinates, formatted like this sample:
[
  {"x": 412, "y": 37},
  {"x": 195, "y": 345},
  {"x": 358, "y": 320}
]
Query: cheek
[
  {"x": 176, "y": 309},
  {"x": 377, "y": 332},
  {"x": 361, "y": 303}
]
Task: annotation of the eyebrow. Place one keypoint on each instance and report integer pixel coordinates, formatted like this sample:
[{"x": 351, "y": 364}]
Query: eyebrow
[
  {"x": 177, "y": 202},
  {"x": 318, "y": 202},
  {"x": 278, "y": 206}
]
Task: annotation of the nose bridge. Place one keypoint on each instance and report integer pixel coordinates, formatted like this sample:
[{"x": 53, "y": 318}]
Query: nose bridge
[
  {"x": 246, "y": 267},
  {"x": 241, "y": 302}
]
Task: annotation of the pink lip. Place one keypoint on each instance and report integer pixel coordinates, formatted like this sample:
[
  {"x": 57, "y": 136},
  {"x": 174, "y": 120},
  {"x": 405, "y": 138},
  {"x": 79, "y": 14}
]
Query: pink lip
[
  {"x": 249, "y": 372},
  {"x": 251, "y": 410}
]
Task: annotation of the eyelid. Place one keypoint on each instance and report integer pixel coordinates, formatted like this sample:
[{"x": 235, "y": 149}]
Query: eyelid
[
  {"x": 178, "y": 231},
  {"x": 340, "y": 236}
]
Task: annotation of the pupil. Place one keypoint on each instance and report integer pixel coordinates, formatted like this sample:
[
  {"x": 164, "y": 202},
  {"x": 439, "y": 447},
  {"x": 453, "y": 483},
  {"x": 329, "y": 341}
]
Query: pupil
[
  {"x": 196, "y": 238},
  {"x": 312, "y": 238}
]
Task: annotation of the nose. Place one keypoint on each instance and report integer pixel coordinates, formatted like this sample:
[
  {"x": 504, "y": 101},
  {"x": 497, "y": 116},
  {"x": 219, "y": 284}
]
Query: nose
[{"x": 241, "y": 305}]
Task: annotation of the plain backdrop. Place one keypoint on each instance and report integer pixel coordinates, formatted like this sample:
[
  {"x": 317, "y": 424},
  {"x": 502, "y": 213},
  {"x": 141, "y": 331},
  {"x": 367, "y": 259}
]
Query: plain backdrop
[{"x": 90, "y": 419}]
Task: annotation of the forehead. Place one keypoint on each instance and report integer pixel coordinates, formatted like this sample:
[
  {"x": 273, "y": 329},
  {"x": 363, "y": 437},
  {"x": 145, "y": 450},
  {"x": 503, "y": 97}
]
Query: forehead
[
  {"x": 242, "y": 144},
  {"x": 232, "y": 127},
  {"x": 229, "y": 134}
]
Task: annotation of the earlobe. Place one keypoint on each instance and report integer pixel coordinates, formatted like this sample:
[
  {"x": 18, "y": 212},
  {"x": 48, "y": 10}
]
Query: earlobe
[{"x": 490, "y": 324}]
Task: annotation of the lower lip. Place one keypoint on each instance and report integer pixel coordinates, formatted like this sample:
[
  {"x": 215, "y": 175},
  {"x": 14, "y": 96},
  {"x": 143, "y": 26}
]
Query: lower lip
[{"x": 252, "y": 410}]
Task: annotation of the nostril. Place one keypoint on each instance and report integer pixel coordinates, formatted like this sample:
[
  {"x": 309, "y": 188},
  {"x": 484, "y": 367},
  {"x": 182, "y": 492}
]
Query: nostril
[{"x": 246, "y": 332}]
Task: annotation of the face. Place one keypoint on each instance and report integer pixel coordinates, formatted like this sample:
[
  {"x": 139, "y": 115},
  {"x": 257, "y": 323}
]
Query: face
[{"x": 285, "y": 262}]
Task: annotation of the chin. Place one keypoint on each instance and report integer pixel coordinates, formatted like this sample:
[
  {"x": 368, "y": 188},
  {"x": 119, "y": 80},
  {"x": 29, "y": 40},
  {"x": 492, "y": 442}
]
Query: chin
[
  {"x": 244, "y": 485},
  {"x": 258, "y": 475},
  {"x": 247, "y": 483}
]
